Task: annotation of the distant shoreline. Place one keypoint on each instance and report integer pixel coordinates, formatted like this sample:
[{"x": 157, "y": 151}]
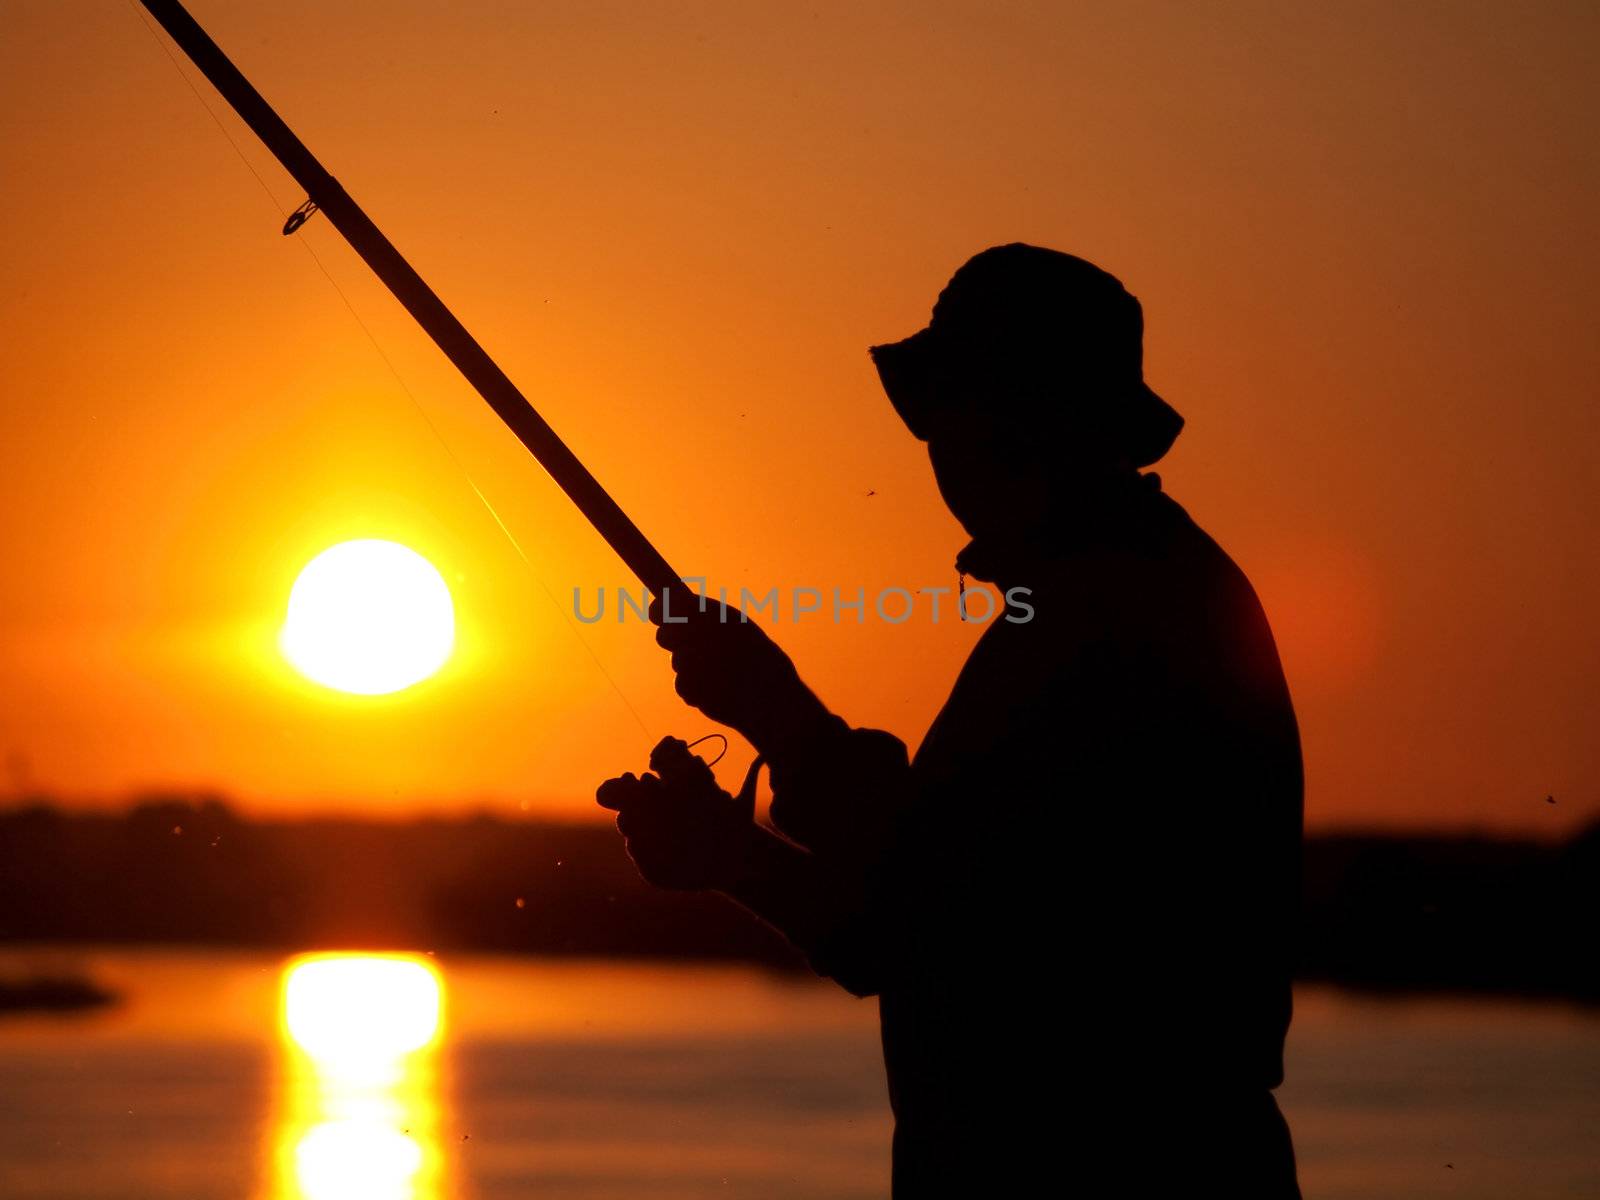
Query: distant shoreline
[
  {"x": 1382, "y": 914},
  {"x": 52, "y": 994}
]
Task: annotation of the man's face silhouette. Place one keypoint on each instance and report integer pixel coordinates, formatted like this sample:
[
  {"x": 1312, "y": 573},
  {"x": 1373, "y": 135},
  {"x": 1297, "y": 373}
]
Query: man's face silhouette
[
  {"x": 994, "y": 478},
  {"x": 1003, "y": 469}
]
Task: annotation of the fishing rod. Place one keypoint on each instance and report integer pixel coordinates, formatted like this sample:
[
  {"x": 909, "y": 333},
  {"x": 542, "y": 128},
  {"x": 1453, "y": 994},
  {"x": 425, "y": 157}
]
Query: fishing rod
[{"x": 324, "y": 194}]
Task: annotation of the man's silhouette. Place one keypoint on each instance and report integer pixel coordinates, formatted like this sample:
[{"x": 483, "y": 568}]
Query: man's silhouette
[{"x": 1076, "y": 904}]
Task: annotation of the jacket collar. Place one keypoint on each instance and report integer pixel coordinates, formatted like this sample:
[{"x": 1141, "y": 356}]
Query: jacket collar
[{"x": 1104, "y": 517}]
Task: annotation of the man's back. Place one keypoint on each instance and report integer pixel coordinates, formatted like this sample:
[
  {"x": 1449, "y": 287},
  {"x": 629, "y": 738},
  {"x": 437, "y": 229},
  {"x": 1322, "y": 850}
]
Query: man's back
[{"x": 1094, "y": 896}]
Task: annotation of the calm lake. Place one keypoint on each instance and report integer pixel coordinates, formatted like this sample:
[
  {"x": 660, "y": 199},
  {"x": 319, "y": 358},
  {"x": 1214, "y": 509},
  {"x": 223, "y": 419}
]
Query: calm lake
[{"x": 251, "y": 1076}]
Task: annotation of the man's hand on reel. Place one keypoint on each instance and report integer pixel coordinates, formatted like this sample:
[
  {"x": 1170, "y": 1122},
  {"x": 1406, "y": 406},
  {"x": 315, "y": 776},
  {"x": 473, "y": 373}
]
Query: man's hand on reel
[{"x": 682, "y": 830}]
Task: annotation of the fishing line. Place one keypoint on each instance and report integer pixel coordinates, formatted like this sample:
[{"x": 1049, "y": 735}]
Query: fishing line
[
  {"x": 216, "y": 120},
  {"x": 400, "y": 380},
  {"x": 476, "y": 490},
  {"x": 720, "y": 737}
]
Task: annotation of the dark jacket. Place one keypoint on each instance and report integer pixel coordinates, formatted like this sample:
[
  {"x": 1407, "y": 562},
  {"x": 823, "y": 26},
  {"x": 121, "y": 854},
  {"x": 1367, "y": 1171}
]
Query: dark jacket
[{"x": 1081, "y": 922}]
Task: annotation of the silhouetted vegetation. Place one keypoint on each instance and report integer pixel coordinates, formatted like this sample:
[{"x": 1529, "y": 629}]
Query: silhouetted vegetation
[
  {"x": 1441, "y": 913},
  {"x": 182, "y": 870},
  {"x": 1428, "y": 913},
  {"x": 52, "y": 993}
]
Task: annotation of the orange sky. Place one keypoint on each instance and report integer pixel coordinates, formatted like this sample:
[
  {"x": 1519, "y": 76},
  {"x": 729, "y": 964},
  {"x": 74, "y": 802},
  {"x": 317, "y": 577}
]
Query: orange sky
[{"x": 1363, "y": 235}]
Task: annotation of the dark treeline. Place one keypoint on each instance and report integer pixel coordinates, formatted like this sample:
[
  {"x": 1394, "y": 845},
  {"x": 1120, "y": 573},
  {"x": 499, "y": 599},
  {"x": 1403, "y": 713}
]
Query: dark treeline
[
  {"x": 1414, "y": 913},
  {"x": 1454, "y": 913},
  {"x": 192, "y": 871}
]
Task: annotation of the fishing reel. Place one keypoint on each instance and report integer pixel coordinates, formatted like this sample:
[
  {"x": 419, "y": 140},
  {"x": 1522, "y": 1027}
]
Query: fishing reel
[{"x": 673, "y": 761}]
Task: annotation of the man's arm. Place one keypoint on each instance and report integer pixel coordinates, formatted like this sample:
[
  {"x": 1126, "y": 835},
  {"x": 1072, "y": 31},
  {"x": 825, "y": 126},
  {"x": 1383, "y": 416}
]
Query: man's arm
[
  {"x": 828, "y": 912},
  {"x": 840, "y": 794},
  {"x": 837, "y": 795},
  {"x": 781, "y": 883},
  {"x": 685, "y": 832}
]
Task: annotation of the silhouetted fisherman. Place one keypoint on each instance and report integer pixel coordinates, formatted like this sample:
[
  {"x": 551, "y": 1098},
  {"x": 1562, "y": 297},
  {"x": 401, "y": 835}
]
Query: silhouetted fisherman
[{"x": 1077, "y": 905}]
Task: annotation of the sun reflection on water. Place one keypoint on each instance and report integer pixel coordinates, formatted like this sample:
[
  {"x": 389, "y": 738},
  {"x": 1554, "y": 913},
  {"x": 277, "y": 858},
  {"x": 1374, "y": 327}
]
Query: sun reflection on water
[{"x": 360, "y": 1112}]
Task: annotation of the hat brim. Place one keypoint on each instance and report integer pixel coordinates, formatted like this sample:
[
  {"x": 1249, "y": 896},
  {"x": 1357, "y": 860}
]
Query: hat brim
[
  {"x": 911, "y": 371},
  {"x": 1150, "y": 426},
  {"x": 908, "y": 371}
]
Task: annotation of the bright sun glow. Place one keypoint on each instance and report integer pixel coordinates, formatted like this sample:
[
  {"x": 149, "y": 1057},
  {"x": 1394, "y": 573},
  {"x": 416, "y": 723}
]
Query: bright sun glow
[
  {"x": 369, "y": 617},
  {"x": 364, "y": 1007}
]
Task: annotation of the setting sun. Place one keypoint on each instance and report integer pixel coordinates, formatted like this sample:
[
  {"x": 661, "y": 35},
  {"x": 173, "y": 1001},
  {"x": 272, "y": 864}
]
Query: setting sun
[{"x": 368, "y": 617}]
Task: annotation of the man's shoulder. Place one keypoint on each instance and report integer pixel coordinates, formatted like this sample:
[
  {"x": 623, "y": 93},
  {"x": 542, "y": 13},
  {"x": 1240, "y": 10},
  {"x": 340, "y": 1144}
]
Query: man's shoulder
[
  {"x": 1216, "y": 610},
  {"x": 1182, "y": 564},
  {"x": 1166, "y": 600},
  {"x": 1160, "y": 564}
]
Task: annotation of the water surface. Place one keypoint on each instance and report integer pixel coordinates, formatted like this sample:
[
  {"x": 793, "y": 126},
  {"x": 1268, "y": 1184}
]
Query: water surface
[{"x": 578, "y": 1080}]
